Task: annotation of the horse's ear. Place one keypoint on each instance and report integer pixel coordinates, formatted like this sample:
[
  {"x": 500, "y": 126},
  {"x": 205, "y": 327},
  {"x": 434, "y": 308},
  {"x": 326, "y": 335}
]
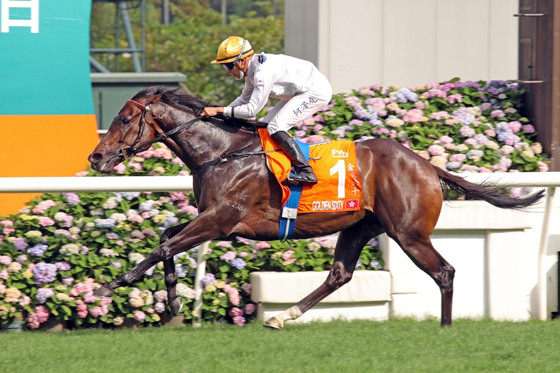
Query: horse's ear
[{"x": 158, "y": 108}]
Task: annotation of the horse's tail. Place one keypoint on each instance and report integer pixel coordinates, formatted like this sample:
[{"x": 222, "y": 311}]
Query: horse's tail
[{"x": 485, "y": 191}]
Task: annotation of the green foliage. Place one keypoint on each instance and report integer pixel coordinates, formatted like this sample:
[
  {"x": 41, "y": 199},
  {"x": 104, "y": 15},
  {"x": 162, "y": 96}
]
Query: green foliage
[
  {"x": 81, "y": 241},
  {"x": 456, "y": 125},
  {"x": 57, "y": 250},
  {"x": 191, "y": 41}
]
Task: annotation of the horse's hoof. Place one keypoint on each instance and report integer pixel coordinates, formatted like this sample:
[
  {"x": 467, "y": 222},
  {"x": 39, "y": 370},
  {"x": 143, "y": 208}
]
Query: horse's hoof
[
  {"x": 273, "y": 323},
  {"x": 103, "y": 292},
  {"x": 176, "y": 305}
]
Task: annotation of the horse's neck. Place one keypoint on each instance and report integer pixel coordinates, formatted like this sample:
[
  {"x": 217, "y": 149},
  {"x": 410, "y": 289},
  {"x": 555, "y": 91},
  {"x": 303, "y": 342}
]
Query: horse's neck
[{"x": 204, "y": 142}]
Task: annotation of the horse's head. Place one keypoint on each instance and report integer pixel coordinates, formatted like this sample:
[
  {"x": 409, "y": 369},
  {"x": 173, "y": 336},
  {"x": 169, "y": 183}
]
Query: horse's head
[{"x": 132, "y": 127}]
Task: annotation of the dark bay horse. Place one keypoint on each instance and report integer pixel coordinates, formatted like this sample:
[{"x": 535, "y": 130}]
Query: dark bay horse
[{"x": 236, "y": 195}]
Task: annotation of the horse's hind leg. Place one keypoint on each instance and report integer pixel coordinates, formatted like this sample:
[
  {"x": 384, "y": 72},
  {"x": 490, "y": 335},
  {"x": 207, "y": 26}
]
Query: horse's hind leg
[
  {"x": 423, "y": 254},
  {"x": 348, "y": 248}
]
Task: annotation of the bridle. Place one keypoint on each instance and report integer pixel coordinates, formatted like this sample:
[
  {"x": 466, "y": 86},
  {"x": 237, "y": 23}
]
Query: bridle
[{"x": 130, "y": 150}]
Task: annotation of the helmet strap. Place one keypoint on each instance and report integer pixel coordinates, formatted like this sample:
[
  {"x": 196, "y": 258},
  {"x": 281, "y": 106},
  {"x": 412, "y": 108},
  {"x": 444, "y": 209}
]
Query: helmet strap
[{"x": 240, "y": 53}]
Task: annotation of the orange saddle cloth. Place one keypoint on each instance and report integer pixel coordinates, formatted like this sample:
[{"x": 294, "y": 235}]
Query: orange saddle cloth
[{"x": 334, "y": 163}]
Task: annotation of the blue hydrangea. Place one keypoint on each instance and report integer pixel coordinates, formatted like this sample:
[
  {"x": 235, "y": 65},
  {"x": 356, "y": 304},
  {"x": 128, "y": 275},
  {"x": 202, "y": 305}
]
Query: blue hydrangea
[
  {"x": 208, "y": 279},
  {"x": 405, "y": 95},
  {"x": 37, "y": 250},
  {"x": 44, "y": 273},
  {"x": 147, "y": 205},
  {"x": 72, "y": 198},
  {"x": 181, "y": 270},
  {"x": 238, "y": 263},
  {"x": 464, "y": 116},
  {"x": 127, "y": 195},
  {"x": 43, "y": 294},
  {"x": 104, "y": 223},
  {"x": 20, "y": 244}
]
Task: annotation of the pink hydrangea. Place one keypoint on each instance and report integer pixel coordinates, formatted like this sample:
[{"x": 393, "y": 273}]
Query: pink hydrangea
[
  {"x": 413, "y": 116},
  {"x": 457, "y": 158},
  {"x": 497, "y": 114},
  {"x": 177, "y": 196},
  {"x": 160, "y": 295},
  {"x": 446, "y": 139},
  {"x": 239, "y": 320},
  {"x": 228, "y": 256},
  {"x": 435, "y": 93},
  {"x": 467, "y": 131},
  {"x": 288, "y": 257},
  {"x": 139, "y": 315},
  {"x": 7, "y": 223},
  {"x": 96, "y": 311},
  {"x": 163, "y": 153},
  {"x": 247, "y": 287},
  {"x": 39, "y": 316},
  {"x": 250, "y": 308},
  {"x": 436, "y": 150},
  {"x": 235, "y": 311},
  {"x": 81, "y": 288},
  {"x": 529, "y": 128},
  {"x": 191, "y": 210},
  {"x": 233, "y": 294},
  {"x": 314, "y": 138},
  {"x": 515, "y": 126},
  {"x": 5, "y": 260},
  {"x": 120, "y": 168},
  {"x": 455, "y": 98},
  {"x": 262, "y": 245},
  {"x": 43, "y": 206},
  {"x": 81, "y": 307},
  {"x": 543, "y": 167},
  {"x": 439, "y": 115}
]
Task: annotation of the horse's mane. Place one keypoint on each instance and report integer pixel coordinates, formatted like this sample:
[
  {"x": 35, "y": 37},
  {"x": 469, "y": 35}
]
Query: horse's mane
[{"x": 179, "y": 97}]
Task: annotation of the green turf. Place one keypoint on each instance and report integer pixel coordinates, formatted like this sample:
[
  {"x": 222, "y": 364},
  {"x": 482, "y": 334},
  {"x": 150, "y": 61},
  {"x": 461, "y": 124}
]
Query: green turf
[{"x": 359, "y": 346}]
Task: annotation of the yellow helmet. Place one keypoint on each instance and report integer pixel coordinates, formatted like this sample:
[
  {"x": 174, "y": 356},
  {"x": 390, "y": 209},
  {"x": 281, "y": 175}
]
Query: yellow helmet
[{"x": 232, "y": 49}]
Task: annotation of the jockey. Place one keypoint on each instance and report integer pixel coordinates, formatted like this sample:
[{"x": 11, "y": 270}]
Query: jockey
[{"x": 299, "y": 85}]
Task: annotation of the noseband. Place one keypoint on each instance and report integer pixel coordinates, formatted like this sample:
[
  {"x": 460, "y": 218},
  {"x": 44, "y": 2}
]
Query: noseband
[{"x": 129, "y": 151}]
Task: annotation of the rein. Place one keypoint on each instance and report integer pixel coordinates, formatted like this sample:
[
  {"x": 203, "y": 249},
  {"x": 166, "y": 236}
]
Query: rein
[{"x": 129, "y": 151}]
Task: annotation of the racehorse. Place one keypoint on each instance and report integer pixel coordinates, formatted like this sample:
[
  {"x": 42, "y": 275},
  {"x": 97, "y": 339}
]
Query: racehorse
[{"x": 236, "y": 195}]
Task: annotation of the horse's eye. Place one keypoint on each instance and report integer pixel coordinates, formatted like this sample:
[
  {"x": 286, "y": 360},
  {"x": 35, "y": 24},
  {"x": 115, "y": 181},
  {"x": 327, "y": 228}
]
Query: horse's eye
[{"x": 125, "y": 120}]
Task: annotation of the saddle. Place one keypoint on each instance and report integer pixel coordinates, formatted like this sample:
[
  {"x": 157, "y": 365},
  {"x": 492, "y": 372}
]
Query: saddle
[{"x": 339, "y": 187}]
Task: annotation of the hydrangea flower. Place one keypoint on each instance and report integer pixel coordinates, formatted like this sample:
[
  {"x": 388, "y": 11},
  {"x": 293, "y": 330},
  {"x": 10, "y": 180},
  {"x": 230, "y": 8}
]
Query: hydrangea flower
[
  {"x": 43, "y": 294},
  {"x": 44, "y": 273},
  {"x": 238, "y": 263},
  {"x": 37, "y": 250}
]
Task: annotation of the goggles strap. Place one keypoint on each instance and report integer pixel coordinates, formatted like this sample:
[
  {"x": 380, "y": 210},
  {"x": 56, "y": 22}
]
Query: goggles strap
[{"x": 240, "y": 53}]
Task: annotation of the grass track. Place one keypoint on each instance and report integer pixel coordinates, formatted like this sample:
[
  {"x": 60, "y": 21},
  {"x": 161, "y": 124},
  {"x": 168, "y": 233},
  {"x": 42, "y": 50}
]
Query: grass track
[{"x": 358, "y": 346}]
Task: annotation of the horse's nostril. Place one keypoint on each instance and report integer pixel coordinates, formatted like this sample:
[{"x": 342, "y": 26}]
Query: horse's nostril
[{"x": 95, "y": 157}]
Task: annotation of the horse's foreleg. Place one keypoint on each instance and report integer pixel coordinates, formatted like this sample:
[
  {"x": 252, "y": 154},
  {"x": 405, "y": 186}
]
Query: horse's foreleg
[
  {"x": 158, "y": 255},
  {"x": 175, "y": 302},
  {"x": 189, "y": 236},
  {"x": 348, "y": 248}
]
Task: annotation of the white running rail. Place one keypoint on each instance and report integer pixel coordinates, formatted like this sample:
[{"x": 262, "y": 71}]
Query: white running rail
[{"x": 548, "y": 180}]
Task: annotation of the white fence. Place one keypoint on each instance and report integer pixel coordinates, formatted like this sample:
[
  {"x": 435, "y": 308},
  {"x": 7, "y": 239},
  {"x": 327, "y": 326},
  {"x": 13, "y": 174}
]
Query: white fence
[{"x": 549, "y": 180}]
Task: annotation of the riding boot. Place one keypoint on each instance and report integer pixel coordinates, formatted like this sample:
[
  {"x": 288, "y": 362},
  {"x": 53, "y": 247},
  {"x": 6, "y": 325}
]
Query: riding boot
[{"x": 304, "y": 173}]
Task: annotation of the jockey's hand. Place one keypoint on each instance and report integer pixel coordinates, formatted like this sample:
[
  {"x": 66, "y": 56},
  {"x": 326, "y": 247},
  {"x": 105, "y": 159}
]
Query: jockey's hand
[{"x": 212, "y": 111}]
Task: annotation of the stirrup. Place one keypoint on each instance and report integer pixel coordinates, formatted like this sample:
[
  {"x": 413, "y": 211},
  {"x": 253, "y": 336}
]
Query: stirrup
[{"x": 301, "y": 178}]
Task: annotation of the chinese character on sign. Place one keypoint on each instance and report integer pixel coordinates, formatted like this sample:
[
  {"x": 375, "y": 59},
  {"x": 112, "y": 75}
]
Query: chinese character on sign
[{"x": 32, "y": 22}]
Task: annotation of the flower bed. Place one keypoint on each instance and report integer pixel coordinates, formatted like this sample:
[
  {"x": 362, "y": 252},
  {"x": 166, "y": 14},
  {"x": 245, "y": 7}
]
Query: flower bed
[
  {"x": 460, "y": 126},
  {"x": 59, "y": 248}
]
